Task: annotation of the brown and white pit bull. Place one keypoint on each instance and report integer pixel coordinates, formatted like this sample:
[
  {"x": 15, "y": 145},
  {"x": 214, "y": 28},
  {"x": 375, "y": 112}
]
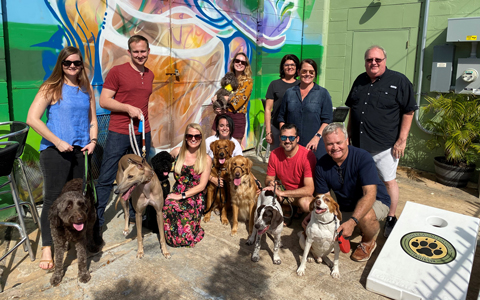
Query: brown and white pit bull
[{"x": 136, "y": 178}]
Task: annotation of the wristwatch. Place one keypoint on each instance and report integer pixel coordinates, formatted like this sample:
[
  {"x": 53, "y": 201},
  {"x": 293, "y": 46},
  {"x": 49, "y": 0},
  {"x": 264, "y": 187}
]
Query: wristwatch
[
  {"x": 183, "y": 195},
  {"x": 318, "y": 134}
]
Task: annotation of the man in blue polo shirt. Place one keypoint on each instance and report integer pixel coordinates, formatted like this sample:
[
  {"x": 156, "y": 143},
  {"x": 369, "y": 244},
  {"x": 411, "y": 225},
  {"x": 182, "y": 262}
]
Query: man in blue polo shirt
[{"x": 352, "y": 175}]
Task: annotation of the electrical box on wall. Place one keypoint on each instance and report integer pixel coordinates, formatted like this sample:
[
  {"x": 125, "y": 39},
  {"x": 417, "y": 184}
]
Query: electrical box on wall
[
  {"x": 468, "y": 81},
  {"x": 442, "y": 67},
  {"x": 463, "y": 29}
]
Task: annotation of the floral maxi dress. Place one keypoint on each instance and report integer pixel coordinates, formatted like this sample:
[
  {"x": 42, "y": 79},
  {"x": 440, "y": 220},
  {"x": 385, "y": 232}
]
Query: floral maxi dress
[{"x": 182, "y": 217}]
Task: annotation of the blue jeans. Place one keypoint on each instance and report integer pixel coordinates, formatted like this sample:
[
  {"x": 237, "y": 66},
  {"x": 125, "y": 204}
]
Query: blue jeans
[{"x": 117, "y": 145}]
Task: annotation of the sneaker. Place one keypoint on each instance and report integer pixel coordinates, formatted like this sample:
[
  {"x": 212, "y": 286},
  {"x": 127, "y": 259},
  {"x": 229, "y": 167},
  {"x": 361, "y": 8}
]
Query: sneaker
[
  {"x": 389, "y": 224},
  {"x": 363, "y": 252}
]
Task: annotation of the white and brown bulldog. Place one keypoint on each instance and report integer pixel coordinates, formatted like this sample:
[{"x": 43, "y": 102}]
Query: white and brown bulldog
[{"x": 320, "y": 236}]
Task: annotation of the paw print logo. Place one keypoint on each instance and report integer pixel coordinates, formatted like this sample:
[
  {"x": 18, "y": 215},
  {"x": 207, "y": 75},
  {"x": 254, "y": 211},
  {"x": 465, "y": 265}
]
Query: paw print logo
[{"x": 428, "y": 247}]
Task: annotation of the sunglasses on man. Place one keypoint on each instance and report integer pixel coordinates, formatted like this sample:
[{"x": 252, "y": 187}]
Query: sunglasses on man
[
  {"x": 191, "y": 136},
  {"x": 291, "y": 138},
  {"x": 68, "y": 63},
  {"x": 243, "y": 62},
  {"x": 377, "y": 60}
]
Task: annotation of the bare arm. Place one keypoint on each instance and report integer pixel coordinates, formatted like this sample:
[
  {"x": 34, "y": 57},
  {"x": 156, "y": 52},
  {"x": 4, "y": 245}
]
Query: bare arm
[
  {"x": 92, "y": 115},
  {"x": 268, "y": 118},
  {"x": 363, "y": 207},
  {"x": 35, "y": 113},
  {"x": 313, "y": 144},
  {"x": 305, "y": 191},
  {"x": 196, "y": 189},
  {"x": 107, "y": 102},
  {"x": 399, "y": 147}
]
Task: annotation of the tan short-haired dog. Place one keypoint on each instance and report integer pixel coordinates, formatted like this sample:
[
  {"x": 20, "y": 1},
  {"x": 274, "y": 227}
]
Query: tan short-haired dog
[
  {"x": 136, "y": 178},
  {"x": 320, "y": 236}
]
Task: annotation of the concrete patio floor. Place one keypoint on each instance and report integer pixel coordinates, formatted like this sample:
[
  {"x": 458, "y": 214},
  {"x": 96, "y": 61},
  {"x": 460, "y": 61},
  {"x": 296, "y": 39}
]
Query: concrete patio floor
[{"x": 219, "y": 267}]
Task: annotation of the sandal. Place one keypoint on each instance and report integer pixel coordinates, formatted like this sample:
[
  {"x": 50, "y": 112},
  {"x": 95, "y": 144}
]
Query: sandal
[{"x": 49, "y": 261}]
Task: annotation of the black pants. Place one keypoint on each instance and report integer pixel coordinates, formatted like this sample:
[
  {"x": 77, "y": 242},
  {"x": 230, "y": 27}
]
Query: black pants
[{"x": 57, "y": 169}]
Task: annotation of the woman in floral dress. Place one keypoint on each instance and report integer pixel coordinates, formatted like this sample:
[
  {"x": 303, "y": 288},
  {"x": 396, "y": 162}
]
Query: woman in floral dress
[{"x": 184, "y": 206}]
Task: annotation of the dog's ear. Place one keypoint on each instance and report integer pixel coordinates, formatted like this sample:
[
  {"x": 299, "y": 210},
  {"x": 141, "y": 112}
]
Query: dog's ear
[
  {"x": 333, "y": 205},
  {"x": 55, "y": 220},
  {"x": 277, "y": 218},
  {"x": 231, "y": 147},
  {"x": 310, "y": 207},
  {"x": 249, "y": 165},
  {"x": 212, "y": 146}
]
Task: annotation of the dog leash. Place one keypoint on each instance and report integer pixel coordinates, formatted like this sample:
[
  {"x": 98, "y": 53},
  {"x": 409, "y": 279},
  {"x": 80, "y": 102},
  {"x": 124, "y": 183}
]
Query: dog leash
[
  {"x": 282, "y": 202},
  {"x": 133, "y": 140},
  {"x": 216, "y": 193},
  {"x": 86, "y": 183}
]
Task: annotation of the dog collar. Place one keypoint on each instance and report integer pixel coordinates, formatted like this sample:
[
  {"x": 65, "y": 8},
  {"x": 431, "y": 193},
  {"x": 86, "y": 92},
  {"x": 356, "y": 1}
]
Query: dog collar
[{"x": 326, "y": 223}]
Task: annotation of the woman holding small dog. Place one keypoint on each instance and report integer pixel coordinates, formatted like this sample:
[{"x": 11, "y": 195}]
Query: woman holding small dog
[
  {"x": 238, "y": 103},
  {"x": 184, "y": 206},
  {"x": 71, "y": 131}
]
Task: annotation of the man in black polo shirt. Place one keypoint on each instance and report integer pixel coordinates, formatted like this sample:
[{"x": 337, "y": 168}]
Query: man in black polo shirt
[
  {"x": 351, "y": 173},
  {"x": 382, "y": 104}
]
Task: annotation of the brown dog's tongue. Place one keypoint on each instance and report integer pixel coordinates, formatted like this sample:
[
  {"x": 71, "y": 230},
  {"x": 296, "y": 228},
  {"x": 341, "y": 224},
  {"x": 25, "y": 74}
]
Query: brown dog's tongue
[
  {"x": 78, "y": 227},
  {"x": 221, "y": 160},
  {"x": 237, "y": 181}
]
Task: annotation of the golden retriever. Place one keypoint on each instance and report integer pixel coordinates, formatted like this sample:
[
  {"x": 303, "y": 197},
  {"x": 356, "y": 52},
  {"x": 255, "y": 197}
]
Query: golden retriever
[
  {"x": 243, "y": 191},
  {"x": 222, "y": 152}
]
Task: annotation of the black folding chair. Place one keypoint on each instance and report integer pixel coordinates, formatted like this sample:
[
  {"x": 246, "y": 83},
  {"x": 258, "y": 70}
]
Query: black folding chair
[{"x": 8, "y": 154}]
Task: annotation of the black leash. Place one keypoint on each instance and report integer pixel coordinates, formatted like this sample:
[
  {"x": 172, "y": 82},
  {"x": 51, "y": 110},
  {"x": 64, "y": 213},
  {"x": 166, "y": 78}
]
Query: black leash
[{"x": 86, "y": 183}]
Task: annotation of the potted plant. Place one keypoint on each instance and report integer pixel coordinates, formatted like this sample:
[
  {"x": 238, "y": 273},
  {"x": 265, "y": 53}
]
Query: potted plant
[{"x": 456, "y": 127}]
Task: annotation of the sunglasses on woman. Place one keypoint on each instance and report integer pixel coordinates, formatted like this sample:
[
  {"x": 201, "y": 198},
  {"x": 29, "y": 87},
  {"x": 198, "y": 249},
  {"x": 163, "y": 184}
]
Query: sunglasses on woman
[
  {"x": 68, "y": 63},
  {"x": 291, "y": 138},
  {"x": 191, "y": 136},
  {"x": 243, "y": 62}
]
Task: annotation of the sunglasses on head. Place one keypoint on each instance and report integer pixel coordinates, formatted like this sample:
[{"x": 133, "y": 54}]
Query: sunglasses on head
[
  {"x": 243, "y": 62},
  {"x": 377, "y": 60},
  {"x": 291, "y": 138},
  {"x": 68, "y": 63},
  {"x": 191, "y": 136}
]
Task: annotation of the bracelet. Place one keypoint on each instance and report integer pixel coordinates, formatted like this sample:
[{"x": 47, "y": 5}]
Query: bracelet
[
  {"x": 355, "y": 220},
  {"x": 268, "y": 133},
  {"x": 93, "y": 140}
]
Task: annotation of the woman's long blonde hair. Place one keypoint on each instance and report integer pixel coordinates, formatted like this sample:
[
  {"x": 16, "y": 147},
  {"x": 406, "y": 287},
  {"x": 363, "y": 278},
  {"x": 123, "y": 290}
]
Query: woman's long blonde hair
[
  {"x": 247, "y": 72},
  {"x": 52, "y": 87},
  {"x": 201, "y": 161}
]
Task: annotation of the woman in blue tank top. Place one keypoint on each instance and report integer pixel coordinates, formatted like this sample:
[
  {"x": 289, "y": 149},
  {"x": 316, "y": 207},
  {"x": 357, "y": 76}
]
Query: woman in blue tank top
[{"x": 71, "y": 130}]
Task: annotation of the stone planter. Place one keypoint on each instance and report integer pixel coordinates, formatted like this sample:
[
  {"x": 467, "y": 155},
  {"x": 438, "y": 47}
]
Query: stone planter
[{"x": 452, "y": 175}]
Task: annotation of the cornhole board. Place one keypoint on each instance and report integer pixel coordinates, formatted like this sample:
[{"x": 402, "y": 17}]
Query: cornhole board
[{"x": 428, "y": 255}]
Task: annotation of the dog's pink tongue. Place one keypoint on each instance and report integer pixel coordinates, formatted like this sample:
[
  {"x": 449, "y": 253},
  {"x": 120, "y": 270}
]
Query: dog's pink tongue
[
  {"x": 263, "y": 230},
  {"x": 165, "y": 173},
  {"x": 126, "y": 195},
  {"x": 221, "y": 160},
  {"x": 237, "y": 181},
  {"x": 78, "y": 227}
]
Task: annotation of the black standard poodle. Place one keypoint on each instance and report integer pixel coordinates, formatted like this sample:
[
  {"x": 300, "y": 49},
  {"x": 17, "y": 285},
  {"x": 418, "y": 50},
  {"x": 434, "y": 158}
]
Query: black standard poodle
[{"x": 72, "y": 217}]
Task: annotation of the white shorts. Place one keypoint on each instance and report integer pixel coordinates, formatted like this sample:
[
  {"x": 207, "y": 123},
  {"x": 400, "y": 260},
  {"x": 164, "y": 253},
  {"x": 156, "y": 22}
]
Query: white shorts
[{"x": 386, "y": 164}]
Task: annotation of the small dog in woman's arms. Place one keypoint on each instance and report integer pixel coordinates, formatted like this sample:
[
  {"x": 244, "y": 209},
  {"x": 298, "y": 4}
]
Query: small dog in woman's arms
[
  {"x": 72, "y": 217},
  {"x": 320, "y": 236}
]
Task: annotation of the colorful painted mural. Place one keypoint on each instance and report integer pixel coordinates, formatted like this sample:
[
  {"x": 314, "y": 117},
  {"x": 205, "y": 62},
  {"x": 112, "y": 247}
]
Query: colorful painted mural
[{"x": 196, "y": 38}]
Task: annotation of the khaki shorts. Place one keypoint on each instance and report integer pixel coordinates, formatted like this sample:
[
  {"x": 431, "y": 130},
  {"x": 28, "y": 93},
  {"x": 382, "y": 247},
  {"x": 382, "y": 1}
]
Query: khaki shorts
[{"x": 380, "y": 209}]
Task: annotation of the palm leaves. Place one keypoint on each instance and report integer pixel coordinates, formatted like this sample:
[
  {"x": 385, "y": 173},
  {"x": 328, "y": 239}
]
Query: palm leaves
[{"x": 456, "y": 124}]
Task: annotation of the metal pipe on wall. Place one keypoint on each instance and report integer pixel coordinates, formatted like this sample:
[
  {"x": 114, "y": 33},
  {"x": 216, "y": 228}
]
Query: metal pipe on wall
[{"x": 420, "y": 73}]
